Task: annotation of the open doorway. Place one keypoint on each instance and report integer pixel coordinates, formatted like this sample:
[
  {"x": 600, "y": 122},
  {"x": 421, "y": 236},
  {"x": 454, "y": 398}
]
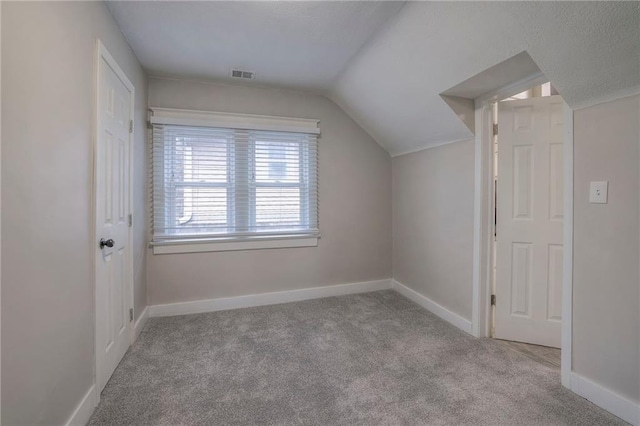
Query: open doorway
[{"x": 528, "y": 215}]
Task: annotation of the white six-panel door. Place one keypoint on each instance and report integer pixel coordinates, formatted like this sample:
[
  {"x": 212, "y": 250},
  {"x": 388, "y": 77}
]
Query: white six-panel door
[
  {"x": 529, "y": 221},
  {"x": 113, "y": 179}
]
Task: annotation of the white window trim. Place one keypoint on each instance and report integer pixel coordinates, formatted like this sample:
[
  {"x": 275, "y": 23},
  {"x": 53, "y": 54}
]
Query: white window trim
[
  {"x": 187, "y": 117},
  {"x": 233, "y": 244},
  {"x": 238, "y": 121}
]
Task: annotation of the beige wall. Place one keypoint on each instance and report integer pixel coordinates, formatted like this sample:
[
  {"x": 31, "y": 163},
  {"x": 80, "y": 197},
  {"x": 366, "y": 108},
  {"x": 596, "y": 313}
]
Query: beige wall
[
  {"x": 47, "y": 284},
  {"x": 355, "y": 205},
  {"x": 433, "y": 224},
  {"x": 606, "y": 281}
]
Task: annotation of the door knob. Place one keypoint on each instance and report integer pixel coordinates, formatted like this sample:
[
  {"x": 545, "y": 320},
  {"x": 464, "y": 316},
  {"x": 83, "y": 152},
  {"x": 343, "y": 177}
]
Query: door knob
[{"x": 106, "y": 243}]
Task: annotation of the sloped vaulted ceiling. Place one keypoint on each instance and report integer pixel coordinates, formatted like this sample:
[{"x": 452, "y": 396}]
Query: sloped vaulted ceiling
[
  {"x": 386, "y": 63},
  {"x": 295, "y": 44},
  {"x": 590, "y": 51}
]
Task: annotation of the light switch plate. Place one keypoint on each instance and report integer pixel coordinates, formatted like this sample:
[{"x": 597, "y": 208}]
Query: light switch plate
[{"x": 598, "y": 192}]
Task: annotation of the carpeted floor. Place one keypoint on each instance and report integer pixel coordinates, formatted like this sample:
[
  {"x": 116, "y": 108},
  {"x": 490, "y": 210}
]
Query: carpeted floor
[{"x": 367, "y": 359}]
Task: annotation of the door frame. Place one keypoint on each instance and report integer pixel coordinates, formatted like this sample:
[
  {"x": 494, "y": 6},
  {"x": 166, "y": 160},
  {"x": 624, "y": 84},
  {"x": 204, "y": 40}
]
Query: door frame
[
  {"x": 483, "y": 205},
  {"x": 101, "y": 53}
]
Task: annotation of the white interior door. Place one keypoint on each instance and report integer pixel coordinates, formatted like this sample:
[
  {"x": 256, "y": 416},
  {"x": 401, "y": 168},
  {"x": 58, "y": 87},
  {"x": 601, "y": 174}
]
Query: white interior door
[
  {"x": 113, "y": 179},
  {"x": 529, "y": 221}
]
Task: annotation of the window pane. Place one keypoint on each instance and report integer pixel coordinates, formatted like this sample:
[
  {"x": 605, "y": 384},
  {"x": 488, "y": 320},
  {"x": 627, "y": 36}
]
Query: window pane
[
  {"x": 201, "y": 208},
  {"x": 202, "y": 159},
  {"x": 197, "y": 168},
  {"x": 277, "y": 161},
  {"x": 277, "y": 207}
]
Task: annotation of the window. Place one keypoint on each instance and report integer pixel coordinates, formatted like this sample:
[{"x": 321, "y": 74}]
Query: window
[{"x": 213, "y": 184}]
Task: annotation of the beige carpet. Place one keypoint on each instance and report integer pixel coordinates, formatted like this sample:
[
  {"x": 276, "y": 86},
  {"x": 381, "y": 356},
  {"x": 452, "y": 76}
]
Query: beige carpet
[{"x": 368, "y": 359}]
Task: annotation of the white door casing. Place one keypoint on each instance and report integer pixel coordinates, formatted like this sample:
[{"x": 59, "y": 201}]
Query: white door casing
[
  {"x": 530, "y": 213},
  {"x": 113, "y": 264}
]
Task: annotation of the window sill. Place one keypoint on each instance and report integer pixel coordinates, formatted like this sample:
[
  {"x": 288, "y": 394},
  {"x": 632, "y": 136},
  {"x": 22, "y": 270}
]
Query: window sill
[{"x": 194, "y": 246}]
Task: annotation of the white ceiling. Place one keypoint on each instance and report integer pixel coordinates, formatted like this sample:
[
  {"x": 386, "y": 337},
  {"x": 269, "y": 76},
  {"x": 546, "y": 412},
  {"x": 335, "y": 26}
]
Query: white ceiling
[
  {"x": 589, "y": 51},
  {"x": 386, "y": 63},
  {"x": 294, "y": 44}
]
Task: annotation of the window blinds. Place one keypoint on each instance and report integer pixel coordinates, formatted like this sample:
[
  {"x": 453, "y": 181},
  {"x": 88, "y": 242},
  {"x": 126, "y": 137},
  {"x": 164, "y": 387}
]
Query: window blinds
[{"x": 211, "y": 182}]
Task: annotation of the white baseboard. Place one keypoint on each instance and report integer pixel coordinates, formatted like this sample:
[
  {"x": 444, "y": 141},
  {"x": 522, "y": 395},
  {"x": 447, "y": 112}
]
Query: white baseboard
[
  {"x": 430, "y": 305},
  {"x": 628, "y": 411},
  {"x": 85, "y": 408},
  {"x": 226, "y": 303},
  {"x": 140, "y": 323}
]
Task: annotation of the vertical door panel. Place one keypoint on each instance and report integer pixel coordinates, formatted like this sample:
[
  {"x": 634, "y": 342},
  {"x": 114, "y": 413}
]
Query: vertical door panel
[
  {"x": 554, "y": 283},
  {"x": 521, "y": 259},
  {"x": 556, "y": 185},
  {"x": 522, "y": 182}
]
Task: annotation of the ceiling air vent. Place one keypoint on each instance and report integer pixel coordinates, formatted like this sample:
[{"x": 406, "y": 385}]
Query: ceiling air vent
[{"x": 247, "y": 75}]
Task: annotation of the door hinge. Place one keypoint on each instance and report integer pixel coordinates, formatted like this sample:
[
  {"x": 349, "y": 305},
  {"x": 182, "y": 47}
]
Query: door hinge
[
  {"x": 131, "y": 314},
  {"x": 130, "y": 220},
  {"x": 493, "y": 300},
  {"x": 130, "y": 126},
  {"x": 495, "y": 129}
]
